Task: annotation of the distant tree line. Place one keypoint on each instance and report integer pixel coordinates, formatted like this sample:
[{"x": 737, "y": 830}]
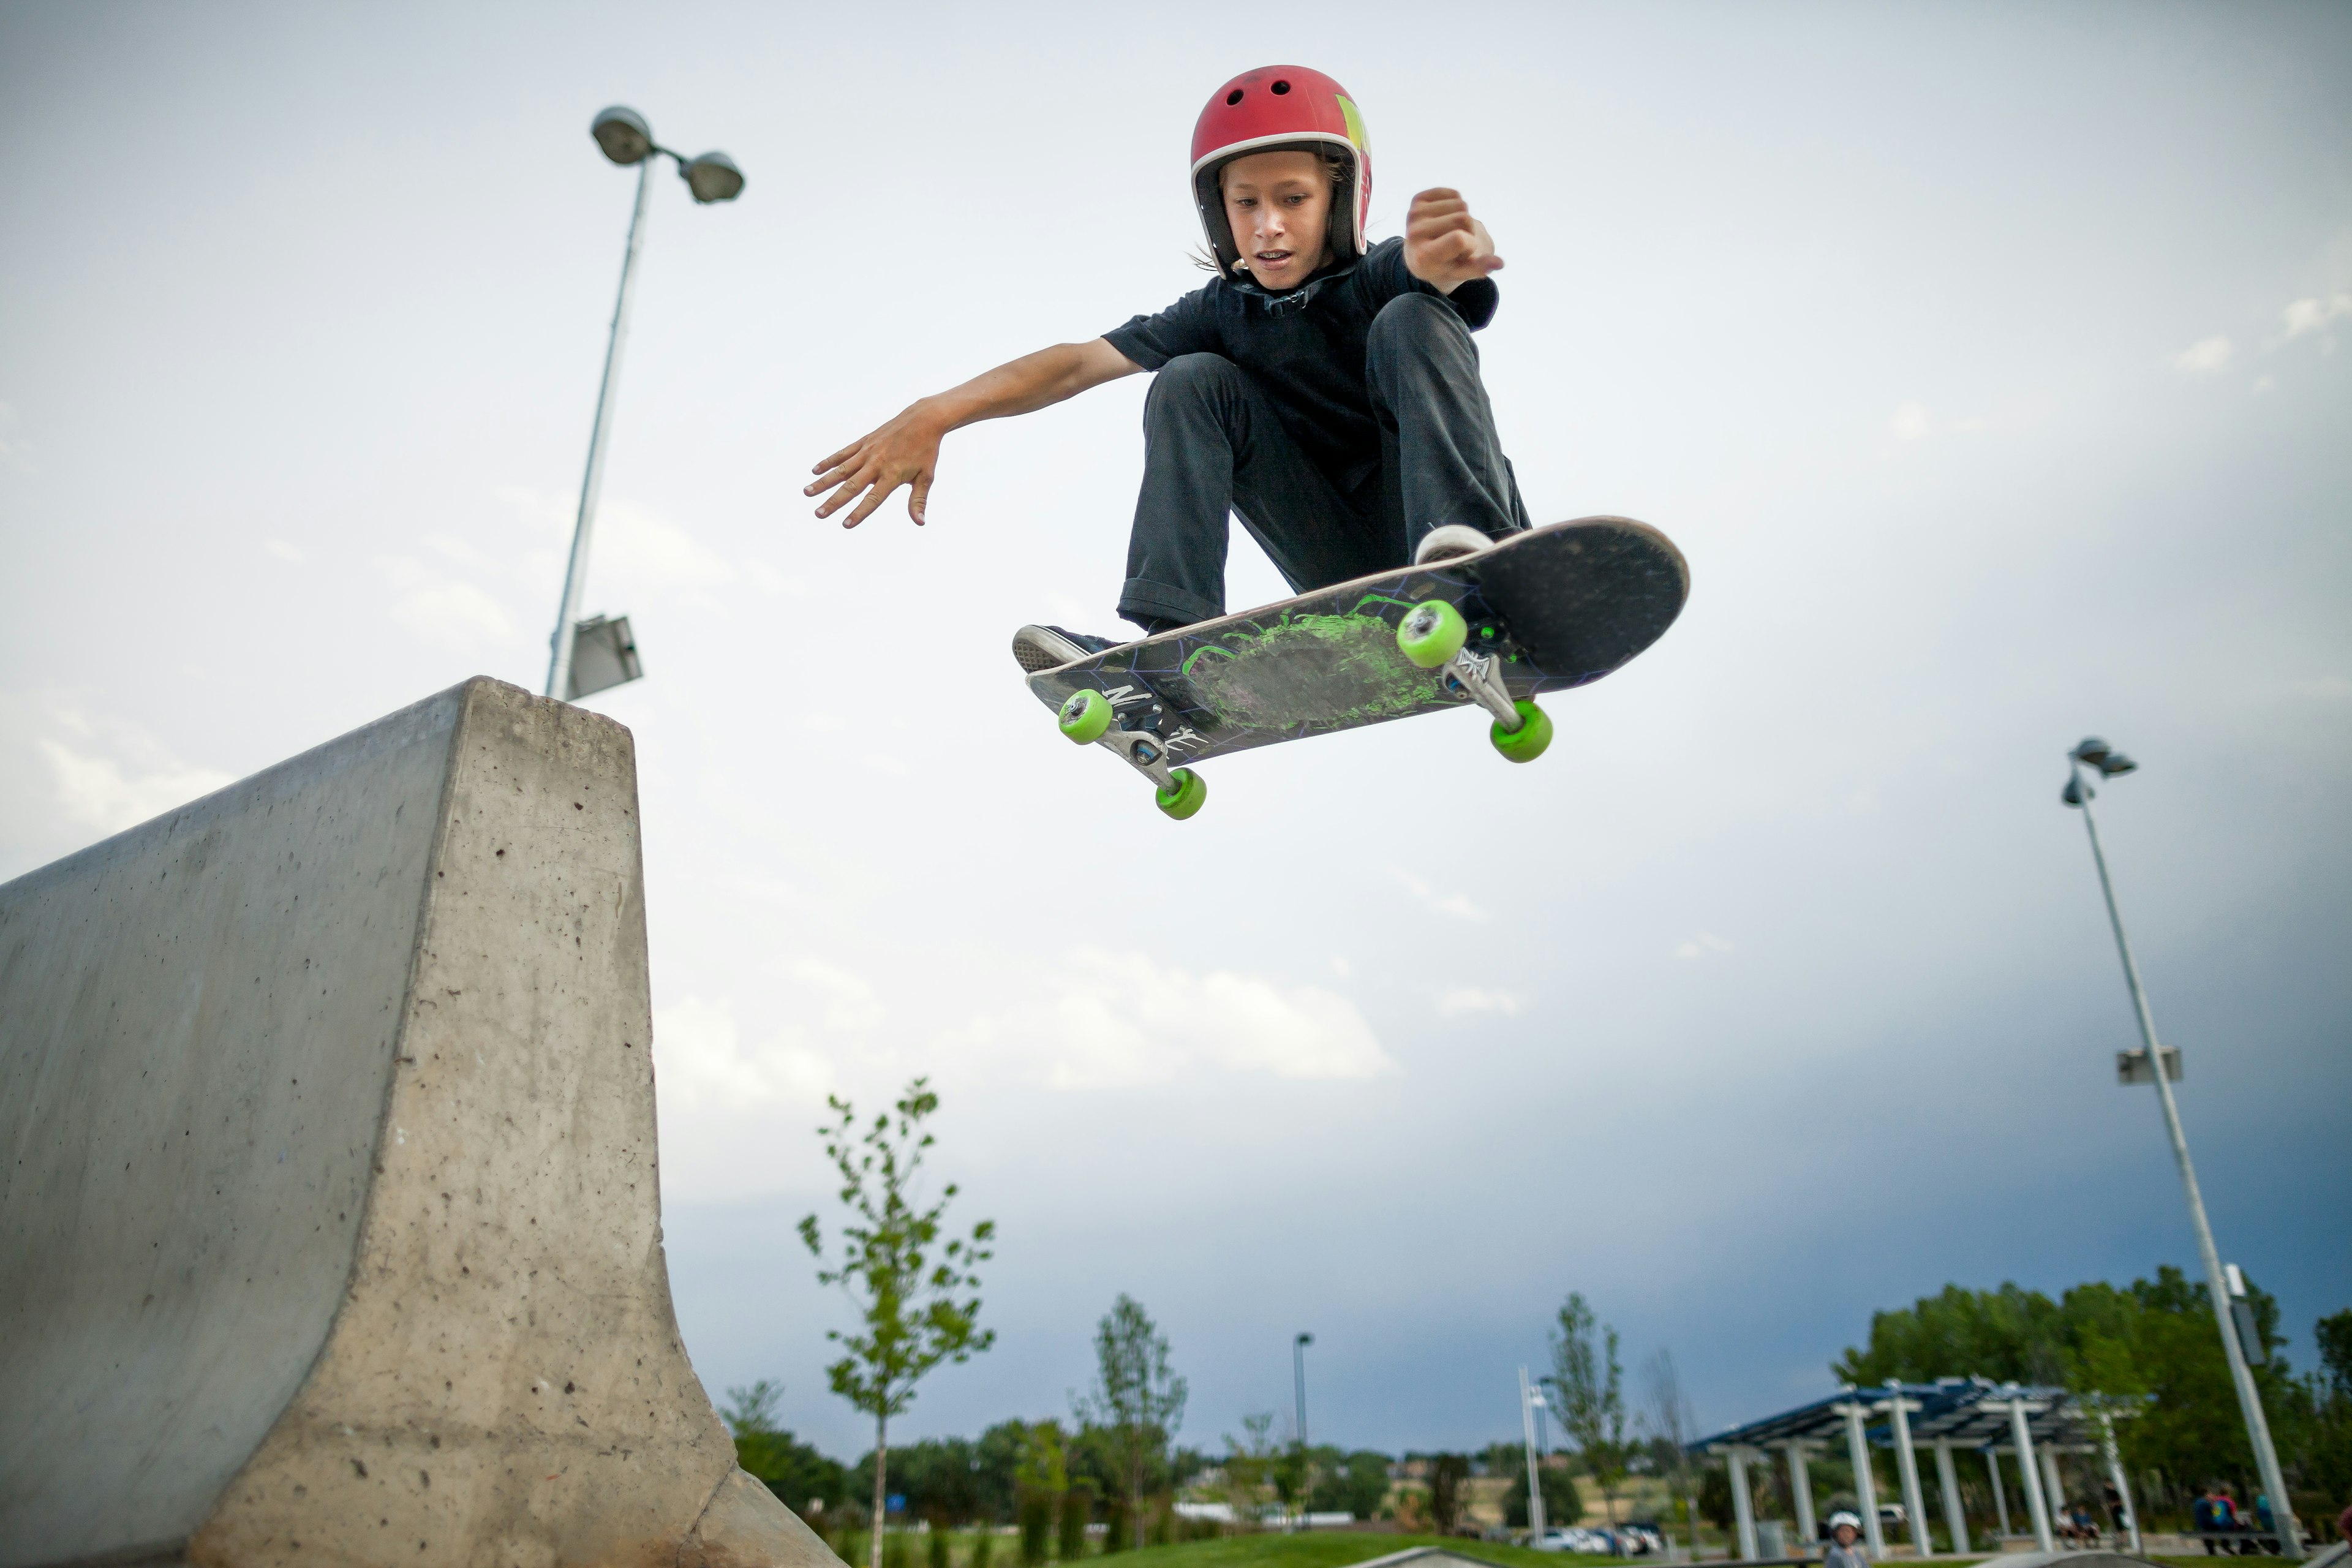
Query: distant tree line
[{"x": 2154, "y": 1338}]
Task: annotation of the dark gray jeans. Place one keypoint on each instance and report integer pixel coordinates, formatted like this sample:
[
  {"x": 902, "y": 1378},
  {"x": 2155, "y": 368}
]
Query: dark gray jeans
[{"x": 1213, "y": 444}]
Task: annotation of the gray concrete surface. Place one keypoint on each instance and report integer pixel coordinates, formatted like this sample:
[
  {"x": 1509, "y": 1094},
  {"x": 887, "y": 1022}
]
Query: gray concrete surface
[{"x": 329, "y": 1218}]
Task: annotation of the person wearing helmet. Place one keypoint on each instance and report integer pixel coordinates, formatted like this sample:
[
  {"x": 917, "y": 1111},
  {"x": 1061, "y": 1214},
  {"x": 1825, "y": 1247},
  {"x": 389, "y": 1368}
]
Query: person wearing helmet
[
  {"x": 1845, "y": 1550},
  {"x": 1322, "y": 388}
]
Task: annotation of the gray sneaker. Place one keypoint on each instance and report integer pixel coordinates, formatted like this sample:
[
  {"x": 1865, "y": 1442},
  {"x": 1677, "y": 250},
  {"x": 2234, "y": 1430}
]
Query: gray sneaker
[{"x": 1046, "y": 647}]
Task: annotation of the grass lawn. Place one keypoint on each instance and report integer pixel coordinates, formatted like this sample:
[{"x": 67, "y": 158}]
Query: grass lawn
[{"x": 1334, "y": 1548}]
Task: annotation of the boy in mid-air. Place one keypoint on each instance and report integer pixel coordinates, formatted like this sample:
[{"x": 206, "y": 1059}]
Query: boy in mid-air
[{"x": 1325, "y": 392}]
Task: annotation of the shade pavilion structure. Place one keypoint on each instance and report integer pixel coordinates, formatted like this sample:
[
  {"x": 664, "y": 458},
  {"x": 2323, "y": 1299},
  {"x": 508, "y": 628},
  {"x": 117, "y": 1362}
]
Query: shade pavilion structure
[{"x": 2032, "y": 1424}]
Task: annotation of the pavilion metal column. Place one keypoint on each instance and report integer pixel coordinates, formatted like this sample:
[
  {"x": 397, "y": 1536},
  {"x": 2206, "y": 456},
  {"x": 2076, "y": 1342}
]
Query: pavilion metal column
[
  {"x": 1743, "y": 1507},
  {"x": 2033, "y": 1498},
  {"x": 1907, "y": 1465},
  {"x": 2000, "y": 1497},
  {"x": 2053, "y": 1485},
  {"x": 1801, "y": 1487},
  {"x": 2116, "y": 1474},
  {"x": 1865, "y": 1486},
  {"x": 1956, "y": 1519}
]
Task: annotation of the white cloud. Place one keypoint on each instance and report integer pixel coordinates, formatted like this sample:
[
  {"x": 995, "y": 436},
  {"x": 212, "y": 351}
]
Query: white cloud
[
  {"x": 1458, "y": 905},
  {"x": 101, "y": 794},
  {"x": 2204, "y": 355},
  {"x": 847, "y": 1002},
  {"x": 2307, "y": 316},
  {"x": 451, "y": 613},
  {"x": 635, "y": 544},
  {"x": 704, "y": 1063},
  {"x": 1703, "y": 945},
  {"x": 1122, "y": 1019},
  {"x": 1910, "y": 422},
  {"x": 281, "y": 550},
  {"x": 1465, "y": 1000}
]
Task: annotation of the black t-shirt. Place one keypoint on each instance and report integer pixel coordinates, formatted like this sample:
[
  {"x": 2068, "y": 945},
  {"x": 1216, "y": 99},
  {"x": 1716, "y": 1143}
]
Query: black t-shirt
[{"x": 1304, "y": 346}]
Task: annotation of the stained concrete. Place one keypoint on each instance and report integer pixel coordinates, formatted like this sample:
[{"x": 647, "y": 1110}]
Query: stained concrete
[{"x": 329, "y": 1217}]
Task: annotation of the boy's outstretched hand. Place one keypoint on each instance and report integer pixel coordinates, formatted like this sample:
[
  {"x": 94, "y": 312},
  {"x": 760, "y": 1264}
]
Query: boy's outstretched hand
[
  {"x": 1444, "y": 246},
  {"x": 905, "y": 451}
]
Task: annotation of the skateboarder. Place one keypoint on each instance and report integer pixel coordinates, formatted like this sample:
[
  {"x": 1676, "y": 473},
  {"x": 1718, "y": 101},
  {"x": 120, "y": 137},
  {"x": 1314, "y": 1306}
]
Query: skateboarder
[{"x": 1323, "y": 388}]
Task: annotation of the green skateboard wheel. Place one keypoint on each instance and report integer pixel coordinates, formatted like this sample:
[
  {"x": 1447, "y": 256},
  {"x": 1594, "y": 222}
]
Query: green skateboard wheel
[
  {"x": 1086, "y": 717},
  {"x": 1185, "y": 799},
  {"x": 1527, "y": 742},
  {"x": 1431, "y": 632}
]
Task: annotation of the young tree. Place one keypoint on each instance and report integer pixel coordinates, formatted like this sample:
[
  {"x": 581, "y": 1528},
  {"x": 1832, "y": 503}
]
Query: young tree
[
  {"x": 1136, "y": 1399},
  {"x": 1672, "y": 1429},
  {"x": 1589, "y": 1383},
  {"x": 908, "y": 1291}
]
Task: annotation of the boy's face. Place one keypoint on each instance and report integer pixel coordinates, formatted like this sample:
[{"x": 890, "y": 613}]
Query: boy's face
[{"x": 1279, "y": 204}]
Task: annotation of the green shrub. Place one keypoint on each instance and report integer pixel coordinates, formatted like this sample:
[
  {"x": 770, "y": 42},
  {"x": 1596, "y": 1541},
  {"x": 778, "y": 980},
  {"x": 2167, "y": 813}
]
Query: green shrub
[
  {"x": 1036, "y": 1520},
  {"x": 938, "y": 1554},
  {"x": 1077, "y": 1508},
  {"x": 894, "y": 1548},
  {"x": 984, "y": 1543}
]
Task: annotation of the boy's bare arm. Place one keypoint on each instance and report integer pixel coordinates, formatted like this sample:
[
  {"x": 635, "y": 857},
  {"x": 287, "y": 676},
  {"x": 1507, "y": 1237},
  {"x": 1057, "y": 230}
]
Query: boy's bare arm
[
  {"x": 1444, "y": 246},
  {"x": 905, "y": 450}
]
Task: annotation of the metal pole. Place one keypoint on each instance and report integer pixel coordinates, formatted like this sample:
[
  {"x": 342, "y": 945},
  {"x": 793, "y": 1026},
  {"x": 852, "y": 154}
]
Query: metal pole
[
  {"x": 1907, "y": 1465},
  {"x": 1743, "y": 1508},
  {"x": 1535, "y": 1483},
  {"x": 1298, "y": 1369},
  {"x": 1866, "y": 1484},
  {"x": 2115, "y": 1473},
  {"x": 2034, "y": 1503},
  {"x": 1800, "y": 1487},
  {"x": 575, "y": 573},
  {"x": 1947, "y": 1480},
  {"x": 2216, "y": 1290},
  {"x": 1999, "y": 1498}
]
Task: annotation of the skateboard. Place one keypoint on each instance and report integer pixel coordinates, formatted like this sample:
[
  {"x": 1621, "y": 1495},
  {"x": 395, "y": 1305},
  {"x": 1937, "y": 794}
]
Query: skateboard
[{"x": 1543, "y": 610}]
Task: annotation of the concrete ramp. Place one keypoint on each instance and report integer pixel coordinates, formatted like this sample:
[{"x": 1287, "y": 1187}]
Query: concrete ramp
[{"x": 330, "y": 1215}]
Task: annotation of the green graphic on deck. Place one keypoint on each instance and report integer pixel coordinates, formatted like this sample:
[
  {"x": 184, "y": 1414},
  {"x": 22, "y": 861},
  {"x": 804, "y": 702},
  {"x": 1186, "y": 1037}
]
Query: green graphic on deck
[{"x": 1327, "y": 672}]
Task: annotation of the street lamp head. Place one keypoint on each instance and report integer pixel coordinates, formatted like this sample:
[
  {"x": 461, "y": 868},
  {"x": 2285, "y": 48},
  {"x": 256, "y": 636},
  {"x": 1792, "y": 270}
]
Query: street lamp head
[
  {"x": 2075, "y": 791},
  {"x": 1306, "y": 1339},
  {"x": 2090, "y": 750},
  {"x": 712, "y": 177},
  {"x": 623, "y": 135},
  {"x": 2116, "y": 763}
]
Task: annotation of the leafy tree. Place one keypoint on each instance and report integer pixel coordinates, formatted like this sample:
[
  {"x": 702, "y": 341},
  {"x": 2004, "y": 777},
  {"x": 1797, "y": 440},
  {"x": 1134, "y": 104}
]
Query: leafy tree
[
  {"x": 1562, "y": 1506},
  {"x": 906, "y": 1293},
  {"x": 801, "y": 1477},
  {"x": 1249, "y": 1467},
  {"x": 1078, "y": 1512},
  {"x": 1587, "y": 1382},
  {"x": 1136, "y": 1399},
  {"x": 1447, "y": 1472},
  {"x": 1355, "y": 1483},
  {"x": 1039, "y": 1481},
  {"x": 1673, "y": 1427}
]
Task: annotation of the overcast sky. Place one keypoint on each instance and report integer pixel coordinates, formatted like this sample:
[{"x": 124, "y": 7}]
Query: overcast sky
[{"x": 1989, "y": 364}]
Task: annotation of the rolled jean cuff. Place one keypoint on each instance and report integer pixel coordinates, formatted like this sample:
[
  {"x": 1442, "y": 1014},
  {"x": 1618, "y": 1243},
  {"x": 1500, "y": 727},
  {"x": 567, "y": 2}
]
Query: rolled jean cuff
[{"x": 1142, "y": 598}]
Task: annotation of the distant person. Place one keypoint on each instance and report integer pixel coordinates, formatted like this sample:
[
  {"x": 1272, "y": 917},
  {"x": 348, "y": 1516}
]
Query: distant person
[
  {"x": 1845, "y": 1550},
  {"x": 2213, "y": 1516}
]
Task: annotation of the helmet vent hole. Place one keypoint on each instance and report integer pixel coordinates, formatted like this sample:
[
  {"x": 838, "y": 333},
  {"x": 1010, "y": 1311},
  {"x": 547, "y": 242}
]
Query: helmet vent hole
[
  {"x": 1281, "y": 87},
  {"x": 1234, "y": 96}
]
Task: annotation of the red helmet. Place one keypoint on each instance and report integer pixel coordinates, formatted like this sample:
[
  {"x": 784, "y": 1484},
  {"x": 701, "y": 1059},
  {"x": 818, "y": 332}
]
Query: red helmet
[{"x": 1274, "y": 107}]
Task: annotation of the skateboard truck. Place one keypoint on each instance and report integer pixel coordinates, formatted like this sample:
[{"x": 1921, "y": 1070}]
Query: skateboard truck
[
  {"x": 1087, "y": 717},
  {"x": 1434, "y": 636},
  {"x": 1479, "y": 676}
]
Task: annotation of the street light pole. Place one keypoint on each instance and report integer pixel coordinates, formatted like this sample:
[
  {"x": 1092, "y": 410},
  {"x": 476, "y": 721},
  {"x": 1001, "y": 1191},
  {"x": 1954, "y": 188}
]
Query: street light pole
[
  {"x": 1529, "y": 1402},
  {"x": 626, "y": 138},
  {"x": 575, "y": 573},
  {"x": 2095, "y": 754},
  {"x": 1298, "y": 1372}
]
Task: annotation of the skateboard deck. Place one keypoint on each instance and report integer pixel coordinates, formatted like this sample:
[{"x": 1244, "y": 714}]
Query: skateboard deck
[{"x": 1543, "y": 610}]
